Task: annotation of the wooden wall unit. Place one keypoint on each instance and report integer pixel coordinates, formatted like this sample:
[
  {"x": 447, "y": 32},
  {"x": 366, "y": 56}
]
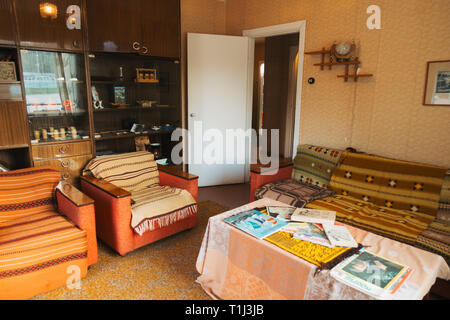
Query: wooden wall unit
[
  {"x": 114, "y": 25},
  {"x": 68, "y": 157},
  {"x": 161, "y": 23},
  {"x": 147, "y": 27},
  {"x": 13, "y": 130},
  {"x": 47, "y": 33},
  {"x": 7, "y": 30}
]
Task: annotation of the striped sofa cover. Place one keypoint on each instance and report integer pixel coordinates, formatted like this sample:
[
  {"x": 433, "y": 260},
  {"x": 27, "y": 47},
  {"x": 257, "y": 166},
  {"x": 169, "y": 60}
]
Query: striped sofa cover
[
  {"x": 37, "y": 244},
  {"x": 393, "y": 198}
]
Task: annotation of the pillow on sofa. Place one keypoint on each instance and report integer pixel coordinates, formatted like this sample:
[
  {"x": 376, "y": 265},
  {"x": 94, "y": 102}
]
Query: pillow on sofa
[
  {"x": 27, "y": 191},
  {"x": 132, "y": 171},
  {"x": 315, "y": 165},
  {"x": 292, "y": 192}
]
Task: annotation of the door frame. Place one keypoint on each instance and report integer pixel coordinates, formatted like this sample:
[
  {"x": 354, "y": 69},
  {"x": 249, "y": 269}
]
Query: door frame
[{"x": 277, "y": 30}]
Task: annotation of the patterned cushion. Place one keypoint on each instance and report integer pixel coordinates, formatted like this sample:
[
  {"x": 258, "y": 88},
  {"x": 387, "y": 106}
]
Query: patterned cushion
[
  {"x": 27, "y": 191},
  {"x": 444, "y": 199},
  {"x": 131, "y": 171},
  {"x": 389, "y": 183},
  {"x": 292, "y": 192},
  {"x": 315, "y": 165}
]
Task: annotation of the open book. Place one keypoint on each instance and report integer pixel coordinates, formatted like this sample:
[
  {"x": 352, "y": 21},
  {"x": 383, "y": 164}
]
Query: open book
[{"x": 314, "y": 216}]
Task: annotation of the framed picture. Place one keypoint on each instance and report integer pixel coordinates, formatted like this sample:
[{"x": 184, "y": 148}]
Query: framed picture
[
  {"x": 119, "y": 95},
  {"x": 7, "y": 71},
  {"x": 437, "y": 84}
]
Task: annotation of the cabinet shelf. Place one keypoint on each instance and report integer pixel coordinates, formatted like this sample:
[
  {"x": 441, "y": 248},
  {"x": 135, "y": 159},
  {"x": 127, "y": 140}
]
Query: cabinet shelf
[
  {"x": 133, "y": 135},
  {"x": 15, "y": 146},
  {"x": 132, "y": 108},
  {"x": 49, "y": 114}
]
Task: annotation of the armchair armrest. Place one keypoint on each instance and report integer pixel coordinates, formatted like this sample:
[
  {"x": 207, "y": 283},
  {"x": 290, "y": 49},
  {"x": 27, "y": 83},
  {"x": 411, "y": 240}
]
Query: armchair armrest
[
  {"x": 79, "y": 208},
  {"x": 107, "y": 187},
  {"x": 112, "y": 213},
  {"x": 174, "y": 177},
  {"x": 261, "y": 174}
]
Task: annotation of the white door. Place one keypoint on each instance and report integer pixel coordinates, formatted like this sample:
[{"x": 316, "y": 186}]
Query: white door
[{"x": 218, "y": 107}]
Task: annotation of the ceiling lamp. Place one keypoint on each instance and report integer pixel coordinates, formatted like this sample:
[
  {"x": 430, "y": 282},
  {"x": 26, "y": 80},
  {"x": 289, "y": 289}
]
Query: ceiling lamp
[{"x": 48, "y": 10}]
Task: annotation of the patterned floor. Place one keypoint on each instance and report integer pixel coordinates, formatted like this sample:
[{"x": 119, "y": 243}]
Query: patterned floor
[{"x": 164, "y": 270}]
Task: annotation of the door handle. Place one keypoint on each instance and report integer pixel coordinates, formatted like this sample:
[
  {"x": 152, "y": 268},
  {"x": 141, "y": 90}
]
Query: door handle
[
  {"x": 192, "y": 115},
  {"x": 145, "y": 50}
]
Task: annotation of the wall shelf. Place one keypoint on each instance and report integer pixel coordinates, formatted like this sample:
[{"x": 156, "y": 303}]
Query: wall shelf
[{"x": 355, "y": 63}]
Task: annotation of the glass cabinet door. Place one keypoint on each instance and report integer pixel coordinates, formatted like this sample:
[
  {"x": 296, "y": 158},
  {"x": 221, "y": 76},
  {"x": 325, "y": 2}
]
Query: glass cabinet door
[{"x": 55, "y": 93}]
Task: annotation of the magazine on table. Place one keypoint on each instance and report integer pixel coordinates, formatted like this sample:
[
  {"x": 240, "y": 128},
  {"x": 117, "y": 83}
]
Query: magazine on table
[
  {"x": 372, "y": 274},
  {"x": 339, "y": 236},
  {"x": 255, "y": 223},
  {"x": 314, "y": 216},
  {"x": 281, "y": 213},
  {"x": 312, "y": 232}
]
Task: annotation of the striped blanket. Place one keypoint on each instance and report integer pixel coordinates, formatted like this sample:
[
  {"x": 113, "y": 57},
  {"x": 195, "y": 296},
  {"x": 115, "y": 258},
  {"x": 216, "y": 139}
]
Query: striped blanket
[
  {"x": 33, "y": 236},
  {"x": 130, "y": 171},
  {"x": 153, "y": 206},
  {"x": 389, "y": 183},
  {"x": 392, "y": 198}
]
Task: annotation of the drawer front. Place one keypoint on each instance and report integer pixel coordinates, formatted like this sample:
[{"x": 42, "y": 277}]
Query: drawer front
[
  {"x": 62, "y": 150},
  {"x": 70, "y": 167}
]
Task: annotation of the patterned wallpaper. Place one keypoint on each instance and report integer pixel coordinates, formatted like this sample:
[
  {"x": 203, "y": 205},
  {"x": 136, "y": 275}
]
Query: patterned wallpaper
[{"x": 382, "y": 115}]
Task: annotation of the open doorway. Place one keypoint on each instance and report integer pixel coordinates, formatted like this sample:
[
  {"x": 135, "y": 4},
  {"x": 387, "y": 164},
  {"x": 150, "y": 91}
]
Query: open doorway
[
  {"x": 274, "y": 89},
  {"x": 277, "y": 62}
]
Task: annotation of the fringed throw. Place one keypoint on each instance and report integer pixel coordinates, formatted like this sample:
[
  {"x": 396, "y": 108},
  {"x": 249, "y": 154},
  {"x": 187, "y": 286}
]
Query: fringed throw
[
  {"x": 160, "y": 206},
  {"x": 165, "y": 220}
]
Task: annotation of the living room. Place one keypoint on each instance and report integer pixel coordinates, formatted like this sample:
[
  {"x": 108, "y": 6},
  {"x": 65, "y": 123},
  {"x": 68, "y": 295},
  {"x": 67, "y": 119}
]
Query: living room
[{"x": 118, "y": 128}]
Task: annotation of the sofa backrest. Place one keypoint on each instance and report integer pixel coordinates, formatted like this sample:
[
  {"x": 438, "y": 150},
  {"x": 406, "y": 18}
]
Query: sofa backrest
[
  {"x": 27, "y": 191},
  {"x": 132, "y": 171},
  {"x": 315, "y": 165},
  {"x": 389, "y": 183}
]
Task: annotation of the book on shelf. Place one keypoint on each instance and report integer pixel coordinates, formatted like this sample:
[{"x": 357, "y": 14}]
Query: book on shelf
[
  {"x": 255, "y": 223},
  {"x": 339, "y": 236},
  {"x": 372, "y": 274},
  {"x": 314, "y": 216},
  {"x": 312, "y": 232},
  {"x": 281, "y": 213}
]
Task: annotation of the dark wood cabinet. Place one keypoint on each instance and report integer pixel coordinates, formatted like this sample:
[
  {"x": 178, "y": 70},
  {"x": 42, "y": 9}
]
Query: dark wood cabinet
[
  {"x": 114, "y": 25},
  {"x": 147, "y": 27},
  {"x": 50, "y": 33},
  {"x": 161, "y": 27},
  {"x": 7, "y": 27},
  {"x": 14, "y": 131}
]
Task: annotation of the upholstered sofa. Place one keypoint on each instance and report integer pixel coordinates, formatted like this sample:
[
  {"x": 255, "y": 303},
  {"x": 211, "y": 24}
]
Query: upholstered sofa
[
  {"x": 401, "y": 200},
  {"x": 128, "y": 187},
  {"x": 47, "y": 232}
]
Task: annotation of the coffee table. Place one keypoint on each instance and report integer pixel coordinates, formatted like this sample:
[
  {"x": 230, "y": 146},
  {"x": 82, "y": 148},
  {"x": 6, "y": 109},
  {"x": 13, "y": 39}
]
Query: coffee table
[{"x": 234, "y": 265}]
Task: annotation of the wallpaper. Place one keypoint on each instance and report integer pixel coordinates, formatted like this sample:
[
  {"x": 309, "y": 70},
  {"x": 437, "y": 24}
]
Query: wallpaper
[{"x": 384, "y": 114}]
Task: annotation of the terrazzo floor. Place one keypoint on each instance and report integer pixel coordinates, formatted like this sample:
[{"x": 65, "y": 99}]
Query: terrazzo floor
[{"x": 164, "y": 270}]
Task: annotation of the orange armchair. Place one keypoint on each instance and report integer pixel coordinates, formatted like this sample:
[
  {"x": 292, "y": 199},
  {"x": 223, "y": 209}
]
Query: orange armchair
[
  {"x": 113, "y": 210},
  {"x": 39, "y": 241}
]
